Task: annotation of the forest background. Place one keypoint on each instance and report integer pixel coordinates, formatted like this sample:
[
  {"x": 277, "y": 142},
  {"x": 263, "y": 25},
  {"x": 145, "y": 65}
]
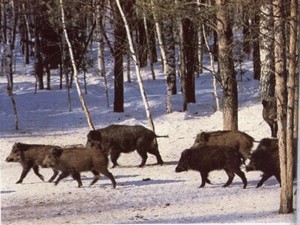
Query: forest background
[{"x": 180, "y": 34}]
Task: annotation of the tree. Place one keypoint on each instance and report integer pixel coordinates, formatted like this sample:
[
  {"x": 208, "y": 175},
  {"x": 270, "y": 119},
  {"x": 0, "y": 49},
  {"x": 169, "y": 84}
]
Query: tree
[
  {"x": 285, "y": 151},
  {"x": 8, "y": 24},
  {"x": 137, "y": 68},
  {"x": 229, "y": 84},
  {"x": 81, "y": 98},
  {"x": 267, "y": 77},
  {"x": 171, "y": 67},
  {"x": 118, "y": 52}
]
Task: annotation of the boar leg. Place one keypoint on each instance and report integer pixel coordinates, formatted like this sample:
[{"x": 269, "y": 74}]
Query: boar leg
[
  {"x": 24, "y": 173},
  {"x": 265, "y": 177},
  {"x": 204, "y": 176},
  {"x": 158, "y": 157},
  {"x": 76, "y": 176},
  {"x": 96, "y": 177},
  {"x": 106, "y": 173},
  {"x": 230, "y": 178},
  {"x": 144, "y": 156},
  {"x": 36, "y": 171},
  {"x": 55, "y": 173},
  {"x": 114, "y": 157},
  {"x": 241, "y": 174},
  {"x": 61, "y": 176}
]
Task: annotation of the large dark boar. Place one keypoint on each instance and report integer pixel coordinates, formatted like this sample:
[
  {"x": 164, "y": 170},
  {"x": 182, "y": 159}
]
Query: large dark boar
[
  {"x": 72, "y": 161},
  {"x": 266, "y": 159},
  {"x": 117, "y": 139},
  {"x": 30, "y": 156},
  {"x": 269, "y": 114},
  {"x": 208, "y": 158},
  {"x": 238, "y": 140}
]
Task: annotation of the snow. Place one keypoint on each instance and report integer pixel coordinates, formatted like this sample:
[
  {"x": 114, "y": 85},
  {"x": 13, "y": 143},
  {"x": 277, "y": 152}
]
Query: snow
[{"x": 153, "y": 194}]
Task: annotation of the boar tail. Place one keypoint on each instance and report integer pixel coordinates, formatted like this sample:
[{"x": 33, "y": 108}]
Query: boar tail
[{"x": 161, "y": 136}]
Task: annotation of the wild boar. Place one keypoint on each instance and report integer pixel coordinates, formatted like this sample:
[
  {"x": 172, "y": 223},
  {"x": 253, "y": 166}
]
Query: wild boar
[
  {"x": 72, "y": 161},
  {"x": 117, "y": 139},
  {"x": 266, "y": 159},
  {"x": 269, "y": 114},
  {"x": 30, "y": 156},
  {"x": 208, "y": 158},
  {"x": 238, "y": 140}
]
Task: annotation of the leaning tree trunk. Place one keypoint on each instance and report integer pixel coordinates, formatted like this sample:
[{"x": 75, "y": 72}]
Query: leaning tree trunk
[
  {"x": 81, "y": 98},
  {"x": 229, "y": 84},
  {"x": 137, "y": 68}
]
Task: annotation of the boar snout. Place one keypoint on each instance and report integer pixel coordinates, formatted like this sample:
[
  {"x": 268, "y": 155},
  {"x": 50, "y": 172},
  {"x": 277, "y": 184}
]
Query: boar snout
[
  {"x": 179, "y": 169},
  {"x": 9, "y": 159}
]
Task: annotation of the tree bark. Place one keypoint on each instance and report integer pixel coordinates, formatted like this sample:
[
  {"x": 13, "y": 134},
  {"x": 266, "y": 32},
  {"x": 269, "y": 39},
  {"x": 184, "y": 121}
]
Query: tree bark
[
  {"x": 137, "y": 68},
  {"x": 81, "y": 98},
  {"x": 229, "y": 84},
  {"x": 170, "y": 57},
  {"x": 286, "y": 191},
  {"x": 267, "y": 77}
]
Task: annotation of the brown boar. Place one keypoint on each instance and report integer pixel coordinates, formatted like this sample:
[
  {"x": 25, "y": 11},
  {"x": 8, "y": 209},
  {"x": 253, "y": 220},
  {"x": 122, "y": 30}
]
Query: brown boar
[
  {"x": 72, "y": 161},
  {"x": 238, "y": 140},
  {"x": 117, "y": 139},
  {"x": 266, "y": 159},
  {"x": 208, "y": 158},
  {"x": 30, "y": 156}
]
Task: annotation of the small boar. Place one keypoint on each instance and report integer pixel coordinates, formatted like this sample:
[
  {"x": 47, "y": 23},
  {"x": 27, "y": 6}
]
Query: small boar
[
  {"x": 269, "y": 114},
  {"x": 238, "y": 140},
  {"x": 117, "y": 139},
  {"x": 72, "y": 161},
  {"x": 208, "y": 158},
  {"x": 30, "y": 156},
  {"x": 266, "y": 159}
]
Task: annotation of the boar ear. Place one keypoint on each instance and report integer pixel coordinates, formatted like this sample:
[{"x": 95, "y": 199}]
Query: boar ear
[
  {"x": 94, "y": 135},
  {"x": 204, "y": 136},
  {"x": 56, "y": 152}
]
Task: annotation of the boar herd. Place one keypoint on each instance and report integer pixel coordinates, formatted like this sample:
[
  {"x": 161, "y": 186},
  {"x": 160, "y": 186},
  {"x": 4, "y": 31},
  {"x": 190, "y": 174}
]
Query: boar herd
[{"x": 216, "y": 150}]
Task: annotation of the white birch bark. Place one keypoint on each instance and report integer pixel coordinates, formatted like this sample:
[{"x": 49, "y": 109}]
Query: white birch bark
[
  {"x": 159, "y": 37},
  {"x": 137, "y": 68},
  {"x": 81, "y": 98}
]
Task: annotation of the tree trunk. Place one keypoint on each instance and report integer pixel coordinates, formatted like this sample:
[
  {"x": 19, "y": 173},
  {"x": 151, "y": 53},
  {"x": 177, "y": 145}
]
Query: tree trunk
[
  {"x": 287, "y": 201},
  {"x": 118, "y": 52},
  {"x": 181, "y": 65},
  {"x": 254, "y": 31},
  {"x": 190, "y": 59},
  {"x": 81, "y": 98},
  {"x": 170, "y": 57},
  {"x": 137, "y": 68},
  {"x": 8, "y": 24},
  {"x": 159, "y": 37},
  {"x": 229, "y": 84},
  {"x": 286, "y": 191},
  {"x": 267, "y": 77}
]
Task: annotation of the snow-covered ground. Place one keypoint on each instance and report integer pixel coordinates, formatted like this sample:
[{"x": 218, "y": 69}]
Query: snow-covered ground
[{"x": 153, "y": 194}]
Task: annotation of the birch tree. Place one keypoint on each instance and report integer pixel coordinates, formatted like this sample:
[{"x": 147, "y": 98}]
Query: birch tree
[
  {"x": 8, "y": 24},
  {"x": 80, "y": 95},
  {"x": 137, "y": 68},
  {"x": 267, "y": 77}
]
